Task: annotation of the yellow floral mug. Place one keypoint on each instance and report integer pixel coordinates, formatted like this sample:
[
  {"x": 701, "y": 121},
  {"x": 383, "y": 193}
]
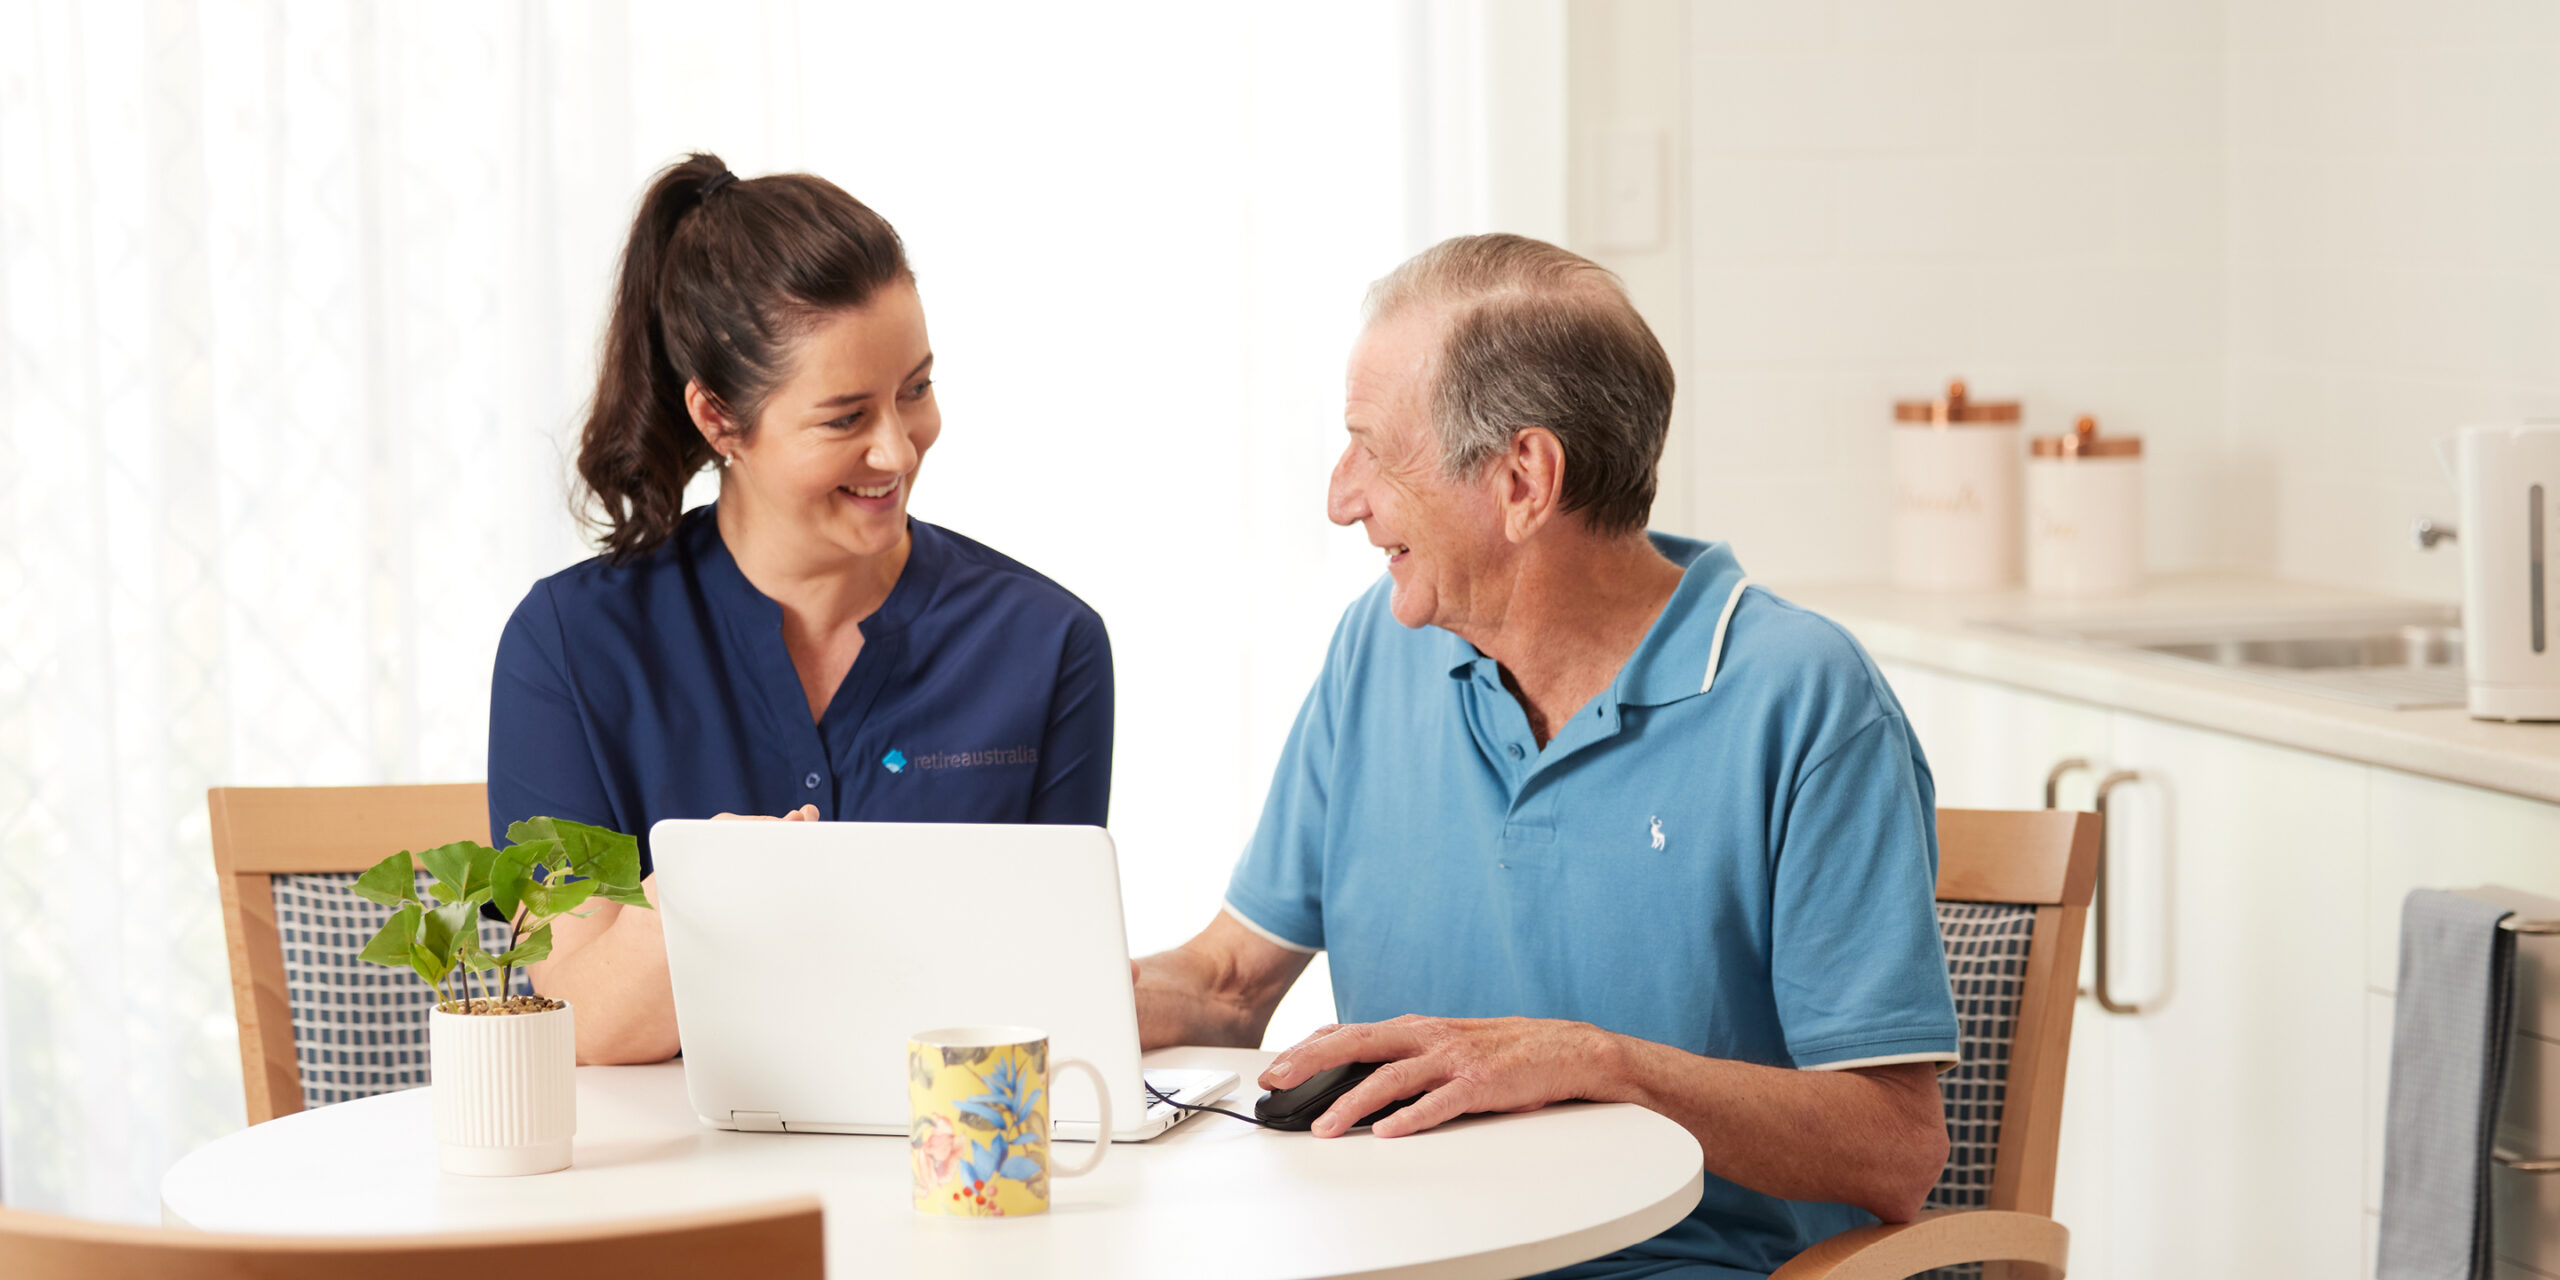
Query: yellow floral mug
[{"x": 978, "y": 1135}]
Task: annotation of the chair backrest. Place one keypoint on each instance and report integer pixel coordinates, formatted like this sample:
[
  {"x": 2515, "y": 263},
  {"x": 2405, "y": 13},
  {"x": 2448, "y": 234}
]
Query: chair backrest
[
  {"x": 284, "y": 857},
  {"x": 785, "y": 1239},
  {"x": 2013, "y": 902}
]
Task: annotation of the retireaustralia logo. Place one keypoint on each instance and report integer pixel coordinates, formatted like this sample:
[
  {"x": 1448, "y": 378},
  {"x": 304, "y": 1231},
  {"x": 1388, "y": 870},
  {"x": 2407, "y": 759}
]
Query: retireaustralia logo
[{"x": 895, "y": 761}]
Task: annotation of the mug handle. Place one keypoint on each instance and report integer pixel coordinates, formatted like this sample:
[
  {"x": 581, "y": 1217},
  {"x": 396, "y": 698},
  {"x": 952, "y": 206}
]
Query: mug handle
[{"x": 1101, "y": 1098}]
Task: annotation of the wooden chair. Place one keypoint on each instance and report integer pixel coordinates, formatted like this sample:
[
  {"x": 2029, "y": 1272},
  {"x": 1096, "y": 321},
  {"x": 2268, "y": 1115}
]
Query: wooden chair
[
  {"x": 2042, "y": 864},
  {"x": 260, "y": 833},
  {"x": 785, "y": 1239}
]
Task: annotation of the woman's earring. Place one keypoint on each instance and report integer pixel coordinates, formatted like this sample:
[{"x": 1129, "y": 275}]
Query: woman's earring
[{"x": 725, "y": 460}]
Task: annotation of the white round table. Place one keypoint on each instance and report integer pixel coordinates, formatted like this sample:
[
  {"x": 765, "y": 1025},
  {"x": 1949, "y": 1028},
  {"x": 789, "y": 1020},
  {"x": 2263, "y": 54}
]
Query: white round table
[{"x": 1480, "y": 1197}]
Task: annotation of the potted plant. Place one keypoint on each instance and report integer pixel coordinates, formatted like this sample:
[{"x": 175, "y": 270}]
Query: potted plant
[{"x": 502, "y": 1064}]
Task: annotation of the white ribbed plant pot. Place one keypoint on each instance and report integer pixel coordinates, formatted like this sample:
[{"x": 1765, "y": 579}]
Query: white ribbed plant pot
[{"x": 506, "y": 1093}]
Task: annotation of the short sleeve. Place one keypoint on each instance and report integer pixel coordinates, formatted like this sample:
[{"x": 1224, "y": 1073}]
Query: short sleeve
[
  {"x": 540, "y": 762},
  {"x": 1278, "y": 886},
  {"x": 1856, "y": 963},
  {"x": 1074, "y": 785}
]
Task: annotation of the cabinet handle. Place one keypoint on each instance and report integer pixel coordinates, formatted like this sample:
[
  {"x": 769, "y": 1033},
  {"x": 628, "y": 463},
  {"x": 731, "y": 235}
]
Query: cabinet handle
[
  {"x": 2105, "y": 991},
  {"x": 2053, "y": 780}
]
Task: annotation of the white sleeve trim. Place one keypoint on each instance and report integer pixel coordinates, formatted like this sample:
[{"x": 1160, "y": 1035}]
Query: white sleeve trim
[
  {"x": 1945, "y": 1061},
  {"x": 1265, "y": 934}
]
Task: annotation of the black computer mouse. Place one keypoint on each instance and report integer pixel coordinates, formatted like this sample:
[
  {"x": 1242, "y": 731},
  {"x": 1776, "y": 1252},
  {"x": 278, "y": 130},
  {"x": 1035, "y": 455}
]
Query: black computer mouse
[{"x": 1297, "y": 1107}]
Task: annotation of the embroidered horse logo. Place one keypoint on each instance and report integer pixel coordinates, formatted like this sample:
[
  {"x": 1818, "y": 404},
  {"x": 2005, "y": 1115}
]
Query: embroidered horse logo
[{"x": 1657, "y": 833}]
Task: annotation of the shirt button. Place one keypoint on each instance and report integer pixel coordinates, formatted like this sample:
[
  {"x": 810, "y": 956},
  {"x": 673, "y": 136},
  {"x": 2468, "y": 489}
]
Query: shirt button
[
  {"x": 1514, "y": 749},
  {"x": 810, "y": 782}
]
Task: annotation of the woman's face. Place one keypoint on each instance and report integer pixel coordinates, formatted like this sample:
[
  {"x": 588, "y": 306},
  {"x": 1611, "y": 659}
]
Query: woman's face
[{"x": 835, "y": 453}]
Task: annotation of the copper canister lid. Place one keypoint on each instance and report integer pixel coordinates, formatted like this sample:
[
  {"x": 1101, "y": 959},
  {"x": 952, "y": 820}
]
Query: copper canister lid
[
  {"x": 1954, "y": 410},
  {"x": 2085, "y": 442}
]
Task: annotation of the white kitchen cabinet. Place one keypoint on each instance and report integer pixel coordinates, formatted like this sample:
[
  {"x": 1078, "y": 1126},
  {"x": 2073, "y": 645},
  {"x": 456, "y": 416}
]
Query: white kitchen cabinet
[
  {"x": 2428, "y": 833},
  {"x": 2235, "y": 1096},
  {"x": 1990, "y": 747},
  {"x": 2220, "y": 1131}
]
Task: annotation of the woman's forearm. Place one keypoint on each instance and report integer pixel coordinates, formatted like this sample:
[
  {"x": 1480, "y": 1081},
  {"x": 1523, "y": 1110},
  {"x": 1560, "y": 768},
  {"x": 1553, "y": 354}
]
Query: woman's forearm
[{"x": 617, "y": 981}]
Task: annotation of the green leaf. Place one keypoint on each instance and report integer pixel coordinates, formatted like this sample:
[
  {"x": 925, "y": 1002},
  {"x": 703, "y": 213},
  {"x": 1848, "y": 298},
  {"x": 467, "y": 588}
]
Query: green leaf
[
  {"x": 475, "y": 958},
  {"x": 631, "y": 897},
  {"x": 547, "y": 901},
  {"x": 390, "y": 946},
  {"x": 512, "y": 871},
  {"x": 446, "y": 927},
  {"x": 532, "y": 830},
  {"x": 484, "y": 860},
  {"x": 609, "y": 856},
  {"x": 390, "y": 882},
  {"x": 536, "y": 946},
  {"x": 429, "y": 965},
  {"x": 450, "y": 864}
]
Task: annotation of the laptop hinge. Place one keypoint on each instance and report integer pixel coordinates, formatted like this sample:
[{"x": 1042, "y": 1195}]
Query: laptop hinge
[{"x": 756, "y": 1121}]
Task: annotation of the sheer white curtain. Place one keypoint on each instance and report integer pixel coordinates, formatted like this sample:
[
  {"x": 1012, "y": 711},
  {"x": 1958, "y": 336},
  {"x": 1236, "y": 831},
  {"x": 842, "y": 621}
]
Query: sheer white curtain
[{"x": 298, "y": 302}]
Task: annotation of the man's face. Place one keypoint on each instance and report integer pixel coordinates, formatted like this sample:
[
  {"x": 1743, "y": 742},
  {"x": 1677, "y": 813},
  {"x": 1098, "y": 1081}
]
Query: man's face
[{"x": 1443, "y": 537}]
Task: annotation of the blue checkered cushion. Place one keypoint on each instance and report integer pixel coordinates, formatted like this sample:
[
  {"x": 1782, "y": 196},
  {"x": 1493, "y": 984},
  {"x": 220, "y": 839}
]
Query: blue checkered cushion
[
  {"x": 358, "y": 1029},
  {"x": 1987, "y": 967}
]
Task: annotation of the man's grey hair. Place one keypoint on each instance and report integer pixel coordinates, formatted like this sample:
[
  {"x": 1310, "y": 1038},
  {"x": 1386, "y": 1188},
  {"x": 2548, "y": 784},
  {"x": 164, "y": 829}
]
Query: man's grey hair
[{"x": 1538, "y": 336}]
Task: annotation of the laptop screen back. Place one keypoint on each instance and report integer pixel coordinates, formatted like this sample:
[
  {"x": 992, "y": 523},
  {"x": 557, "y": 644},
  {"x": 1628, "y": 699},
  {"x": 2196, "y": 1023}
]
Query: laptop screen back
[{"x": 805, "y": 953}]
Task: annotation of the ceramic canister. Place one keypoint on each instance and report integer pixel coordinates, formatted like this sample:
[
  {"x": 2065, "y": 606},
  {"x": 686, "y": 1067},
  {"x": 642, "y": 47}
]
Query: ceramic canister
[
  {"x": 2084, "y": 513},
  {"x": 1955, "y": 493}
]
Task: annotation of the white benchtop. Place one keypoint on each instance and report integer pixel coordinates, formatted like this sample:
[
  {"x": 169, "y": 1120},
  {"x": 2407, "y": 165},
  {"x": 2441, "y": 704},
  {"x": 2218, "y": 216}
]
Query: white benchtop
[{"x": 1941, "y": 631}]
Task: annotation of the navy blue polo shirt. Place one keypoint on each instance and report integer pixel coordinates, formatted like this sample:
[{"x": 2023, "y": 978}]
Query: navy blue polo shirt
[
  {"x": 1731, "y": 850},
  {"x": 660, "y": 688}
]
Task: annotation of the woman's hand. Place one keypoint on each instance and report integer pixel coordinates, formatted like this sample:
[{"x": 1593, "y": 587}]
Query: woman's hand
[{"x": 805, "y": 813}]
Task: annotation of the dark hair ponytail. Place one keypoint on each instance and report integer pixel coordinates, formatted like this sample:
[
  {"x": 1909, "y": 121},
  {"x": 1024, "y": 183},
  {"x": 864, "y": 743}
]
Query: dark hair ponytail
[{"x": 719, "y": 278}]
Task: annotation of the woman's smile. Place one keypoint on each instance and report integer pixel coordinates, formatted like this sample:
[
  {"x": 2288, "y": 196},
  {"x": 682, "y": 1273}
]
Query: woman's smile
[{"x": 876, "y": 497}]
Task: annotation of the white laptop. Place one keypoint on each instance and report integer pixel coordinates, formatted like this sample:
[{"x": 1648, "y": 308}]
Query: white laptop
[{"x": 805, "y": 953}]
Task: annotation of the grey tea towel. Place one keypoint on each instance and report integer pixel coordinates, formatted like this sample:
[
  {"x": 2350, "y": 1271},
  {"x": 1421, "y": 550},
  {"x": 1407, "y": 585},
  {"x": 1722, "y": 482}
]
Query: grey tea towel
[{"x": 2449, "y": 1037}]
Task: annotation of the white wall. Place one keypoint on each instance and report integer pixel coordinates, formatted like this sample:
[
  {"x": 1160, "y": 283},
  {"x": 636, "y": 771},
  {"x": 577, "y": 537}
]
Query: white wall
[
  {"x": 1884, "y": 195},
  {"x": 2288, "y": 242},
  {"x": 2394, "y": 230}
]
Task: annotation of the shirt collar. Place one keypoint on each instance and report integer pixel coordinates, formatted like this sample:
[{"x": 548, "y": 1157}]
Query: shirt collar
[
  {"x": 1671, "y": 662},
  {"x": 927, "y": 553}
]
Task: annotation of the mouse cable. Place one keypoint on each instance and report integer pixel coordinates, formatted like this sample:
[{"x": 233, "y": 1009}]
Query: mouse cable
[{"x": 1167, "y": 1099}]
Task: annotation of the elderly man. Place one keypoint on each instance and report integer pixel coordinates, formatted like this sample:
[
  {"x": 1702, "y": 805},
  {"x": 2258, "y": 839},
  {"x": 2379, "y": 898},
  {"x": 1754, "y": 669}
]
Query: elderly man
[{"x": 1578, "y": 815}]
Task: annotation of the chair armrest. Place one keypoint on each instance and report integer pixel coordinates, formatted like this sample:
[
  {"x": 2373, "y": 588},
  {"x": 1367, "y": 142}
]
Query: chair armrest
[{"x": 1937, "y": 1238}]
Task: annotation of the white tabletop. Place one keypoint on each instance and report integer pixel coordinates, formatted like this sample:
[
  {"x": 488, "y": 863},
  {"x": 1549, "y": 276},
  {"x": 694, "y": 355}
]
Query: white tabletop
[{"x": 1483, "y": 1196}]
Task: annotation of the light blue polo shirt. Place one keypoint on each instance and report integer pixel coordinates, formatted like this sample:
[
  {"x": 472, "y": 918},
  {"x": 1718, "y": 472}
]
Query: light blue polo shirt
[{"x": 1733, "y": 850}]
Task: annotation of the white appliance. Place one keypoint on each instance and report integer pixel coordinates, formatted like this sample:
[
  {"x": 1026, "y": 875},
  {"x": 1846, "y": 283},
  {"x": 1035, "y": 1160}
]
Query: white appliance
[
  {"x": 804, "y": 954},
  {"x": 2508, "y": 479}
]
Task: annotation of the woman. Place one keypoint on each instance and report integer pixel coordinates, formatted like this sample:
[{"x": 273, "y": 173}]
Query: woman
[{"x": 801, "y": 646}]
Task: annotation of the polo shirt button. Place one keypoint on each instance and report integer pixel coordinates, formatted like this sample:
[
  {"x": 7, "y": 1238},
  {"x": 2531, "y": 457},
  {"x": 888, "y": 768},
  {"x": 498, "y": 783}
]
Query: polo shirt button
[
  {"x": 1514, "y": 749},
  {"x": 810, "y": 782}
]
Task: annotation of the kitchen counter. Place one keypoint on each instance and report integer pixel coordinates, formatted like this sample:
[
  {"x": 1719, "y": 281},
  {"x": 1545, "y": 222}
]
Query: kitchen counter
[{"x": 1944, "y": 632}]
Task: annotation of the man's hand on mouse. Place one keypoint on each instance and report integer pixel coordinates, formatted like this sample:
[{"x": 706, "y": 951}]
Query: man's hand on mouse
[{"x": 1466, "y": 1065}]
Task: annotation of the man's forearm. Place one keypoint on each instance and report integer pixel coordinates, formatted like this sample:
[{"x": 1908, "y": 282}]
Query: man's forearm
[
  {"x": 1876, "y": 1139},
  {"x": 618, "y": 982},
  {"x": 1183, "y": 999}
]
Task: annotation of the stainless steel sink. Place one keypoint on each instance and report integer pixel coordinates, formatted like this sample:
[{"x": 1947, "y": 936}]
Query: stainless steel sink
[
  {"x": 2415, "y": 647},
  {"x": 2401, "y": 657}
]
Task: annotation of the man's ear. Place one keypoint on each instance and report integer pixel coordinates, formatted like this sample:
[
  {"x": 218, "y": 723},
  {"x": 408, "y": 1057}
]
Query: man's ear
[
  {"x": 709, "y": 418},
  {"x": 1529, "y": 482}
]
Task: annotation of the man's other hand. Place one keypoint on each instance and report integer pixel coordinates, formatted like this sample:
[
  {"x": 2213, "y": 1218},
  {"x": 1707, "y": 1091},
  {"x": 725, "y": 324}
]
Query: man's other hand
[{"x": 1459, "y": 1065}]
